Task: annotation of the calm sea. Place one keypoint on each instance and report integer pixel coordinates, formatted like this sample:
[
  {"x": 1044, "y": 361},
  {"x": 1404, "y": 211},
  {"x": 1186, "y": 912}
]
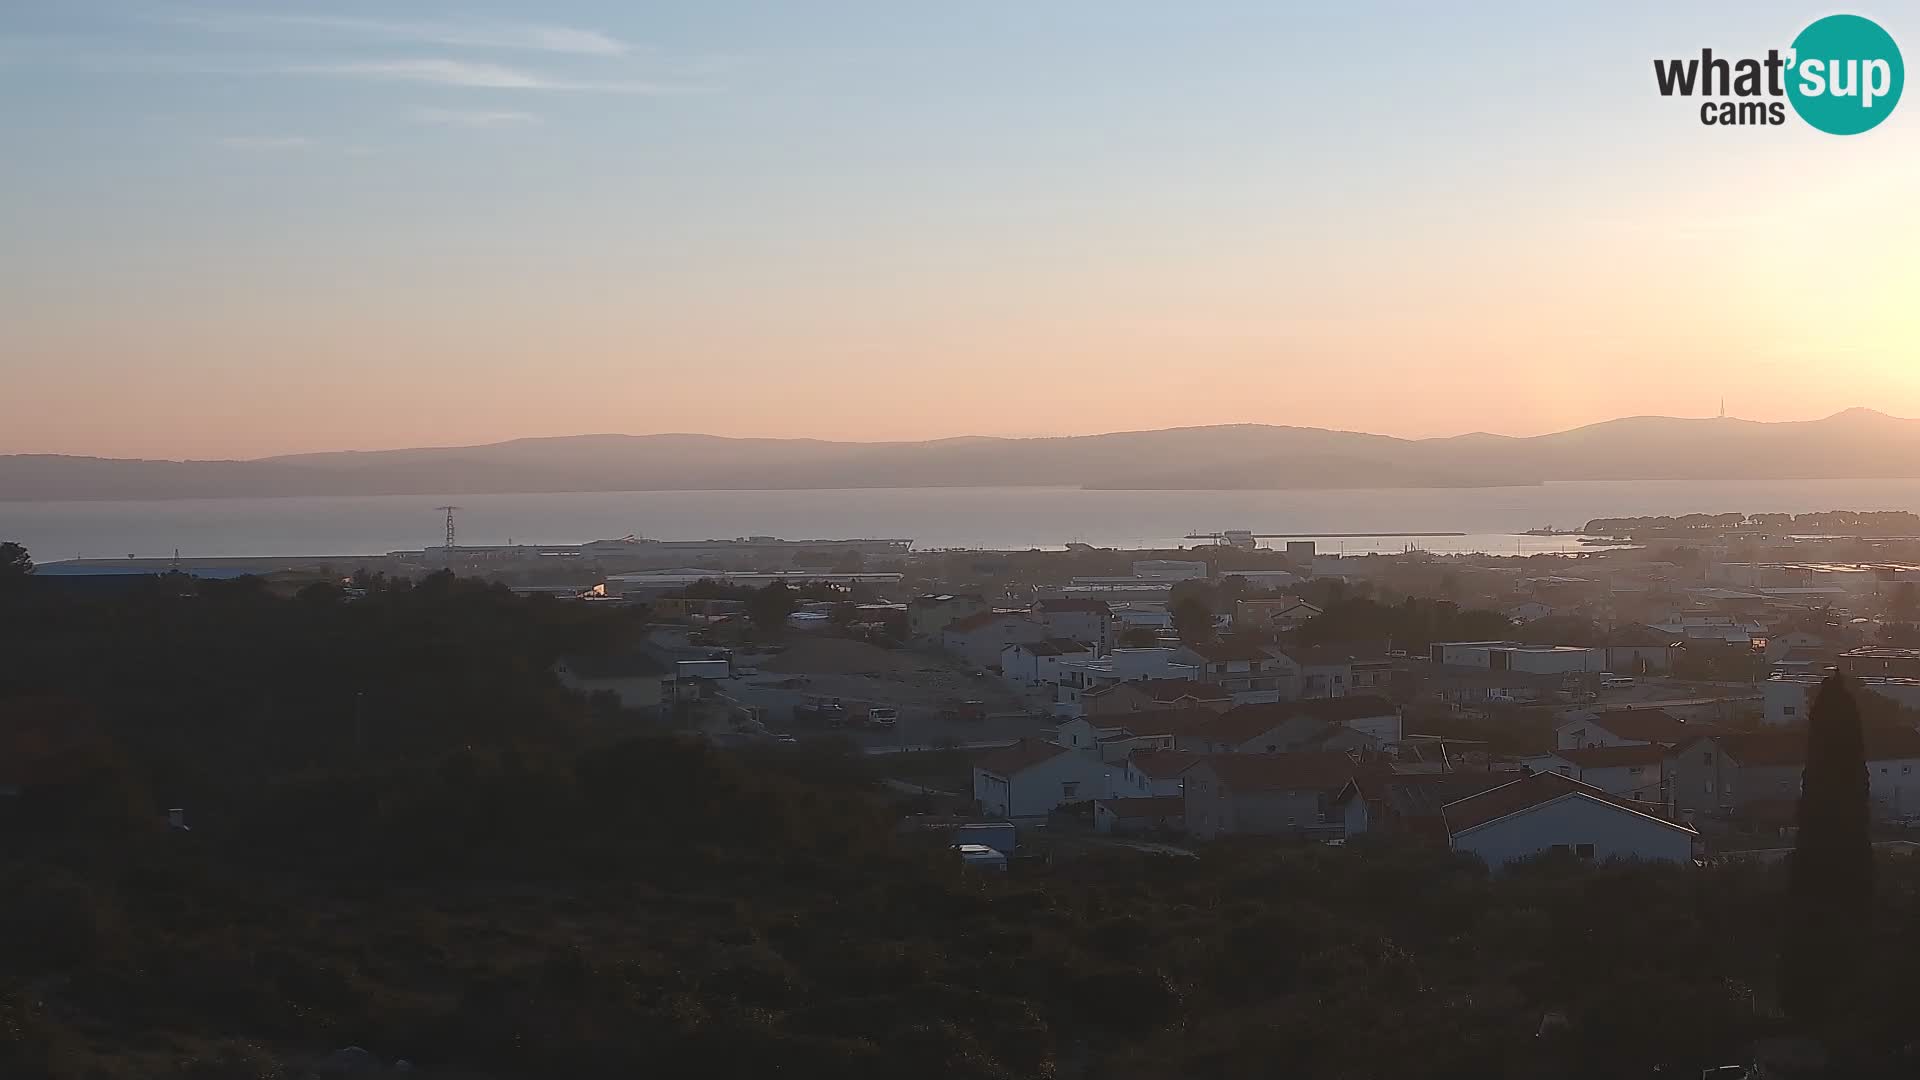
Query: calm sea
[{"x": 932, "y": 517}]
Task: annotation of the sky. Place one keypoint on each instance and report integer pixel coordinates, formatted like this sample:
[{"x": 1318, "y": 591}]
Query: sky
[{"x": 240, "y": 229}]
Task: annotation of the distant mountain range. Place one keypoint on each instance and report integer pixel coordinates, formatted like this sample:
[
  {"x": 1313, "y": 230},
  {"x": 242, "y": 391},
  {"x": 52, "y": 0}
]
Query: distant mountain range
[{"x": 1855, "y": 443}]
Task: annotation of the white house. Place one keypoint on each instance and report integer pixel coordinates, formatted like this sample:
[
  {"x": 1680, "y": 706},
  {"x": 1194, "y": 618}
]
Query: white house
[
  {"x": 1037, "y": 663},
  {"x": 1798, "y": 642},
  {"x": 1368, "y": 714},
  {"x": 1090, "y": 622},
  {"x": 929, "y": 614},
  {"x": 1370, "y": 674},
  {"x": 1250, "y": 673},
  {"x": 1547, "y": 812},
  {"x": 1266, "y": 794},
  {"x": 1323, "y": 673},
  {"x": 1031, "y": 778},
  {"x": 1081, "y": 676},
  {"x": 980, "y": 637},
  {"x": 1786, "y": 698},
  {"x": 1893, "y": 775},
  {"x": 1358, "y": 722},
  {"x": 1166, "y": 770},
  {"x": 1294, "y": 616},
  {"x": 1636, "y": 772},
  {"x": 1085, "y": 734}
]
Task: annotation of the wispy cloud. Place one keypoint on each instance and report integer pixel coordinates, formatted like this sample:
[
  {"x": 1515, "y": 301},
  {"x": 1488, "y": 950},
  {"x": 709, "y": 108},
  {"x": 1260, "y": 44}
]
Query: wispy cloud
[
  {"x": 474, "y": 118},
  {"x": 265, "y": 142},
  {"x": 443, "y": 72},
  {"x": 467, "y": 34}
]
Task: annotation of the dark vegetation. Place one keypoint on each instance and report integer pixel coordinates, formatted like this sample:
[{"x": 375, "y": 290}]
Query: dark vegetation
[
  {"x": 478, "y": 878},
  {"x": 1832, "y": 879},
  {"x": 1412, "y": 624}
]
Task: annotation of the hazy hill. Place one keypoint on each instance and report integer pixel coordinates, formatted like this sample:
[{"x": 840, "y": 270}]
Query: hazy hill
[{"x": 1855, "y": 443}]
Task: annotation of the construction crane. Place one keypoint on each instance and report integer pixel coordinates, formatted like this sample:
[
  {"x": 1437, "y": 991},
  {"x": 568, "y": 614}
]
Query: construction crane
[{"x": 449, "y": 510}]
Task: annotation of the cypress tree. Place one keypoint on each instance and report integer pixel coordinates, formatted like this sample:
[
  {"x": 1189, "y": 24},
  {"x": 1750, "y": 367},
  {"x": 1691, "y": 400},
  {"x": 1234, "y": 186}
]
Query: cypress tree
[{"x": 1831, "y": 891}]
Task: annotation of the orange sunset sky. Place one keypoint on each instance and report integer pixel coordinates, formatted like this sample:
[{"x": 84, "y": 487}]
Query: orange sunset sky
[{"x": 236, "y": 234}]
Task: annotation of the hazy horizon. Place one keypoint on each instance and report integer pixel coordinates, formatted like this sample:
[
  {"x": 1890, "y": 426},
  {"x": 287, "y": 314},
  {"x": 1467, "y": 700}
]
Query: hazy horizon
[
  {"x": 974, "y": 435},
  {"x": 237, "y": 233}
]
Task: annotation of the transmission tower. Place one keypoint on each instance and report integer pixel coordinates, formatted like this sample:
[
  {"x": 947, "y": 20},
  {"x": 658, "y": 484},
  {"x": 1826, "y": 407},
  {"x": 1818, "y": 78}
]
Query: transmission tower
[{"x": 449, "y": 510}]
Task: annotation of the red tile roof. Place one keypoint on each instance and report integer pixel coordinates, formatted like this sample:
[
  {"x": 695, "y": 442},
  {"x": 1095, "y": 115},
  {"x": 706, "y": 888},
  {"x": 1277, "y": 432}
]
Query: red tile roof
[
  {"x": 1019, "y": 757},
  {"x": 1243, "y": 722},
  {"x": 1890, "y": 743},
  {"x": 1764, "y": 748},
  {"x": 1607, "y": 757},
  {"x": 983, "y": 618},
  {"x": 1318, "y": 770},
  {"x": 1175, "y": 689},
  {"x": 1351, "y": 707},
  {"x": 1647, "y": 725},
  {"x": 1383, "y": 785},
  {"x": 1526, "y": 793},
  {"x": 1221, "y": 652},
  {"x": 1188, "y": 721},
  {"x": 1787, "y": 748},
  {"x": 1165, "y": 764},
  {"x": 1050, "y": 647}
]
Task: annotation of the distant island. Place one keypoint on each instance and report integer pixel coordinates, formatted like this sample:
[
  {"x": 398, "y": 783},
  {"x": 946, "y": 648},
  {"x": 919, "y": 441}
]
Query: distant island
[{"x": 1857, "y": 443}]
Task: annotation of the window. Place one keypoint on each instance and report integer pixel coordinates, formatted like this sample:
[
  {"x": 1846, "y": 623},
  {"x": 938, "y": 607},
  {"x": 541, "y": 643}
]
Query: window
[
  {"x": 1559, "y": 849},
  {"x": 1789, "y": 711},
  {"x": 1708, "y": 786},
  {"x": 1706, "y": 757},
  {"x": 1635, "y": 770},
  {"x": 1564, "y": 771},
  {"x": 1069, "y": 790},
  {"x": 1585, "y": 851}
]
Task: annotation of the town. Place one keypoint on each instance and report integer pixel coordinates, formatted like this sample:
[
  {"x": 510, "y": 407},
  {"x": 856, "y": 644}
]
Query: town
[{"x": 1638, "y": 700}]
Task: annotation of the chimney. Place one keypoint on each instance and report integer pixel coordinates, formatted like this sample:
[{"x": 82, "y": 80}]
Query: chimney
[{"x": 177, "y": 818}]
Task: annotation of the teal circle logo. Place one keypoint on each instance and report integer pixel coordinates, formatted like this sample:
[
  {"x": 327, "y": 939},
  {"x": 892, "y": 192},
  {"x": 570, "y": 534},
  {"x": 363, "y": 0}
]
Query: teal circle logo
[{"x": 1845, "y": 75}]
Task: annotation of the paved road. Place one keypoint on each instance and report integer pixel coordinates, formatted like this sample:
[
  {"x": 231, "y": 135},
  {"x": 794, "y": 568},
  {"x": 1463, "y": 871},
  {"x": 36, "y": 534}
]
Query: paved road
[{"x": 921, "y": 748}]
